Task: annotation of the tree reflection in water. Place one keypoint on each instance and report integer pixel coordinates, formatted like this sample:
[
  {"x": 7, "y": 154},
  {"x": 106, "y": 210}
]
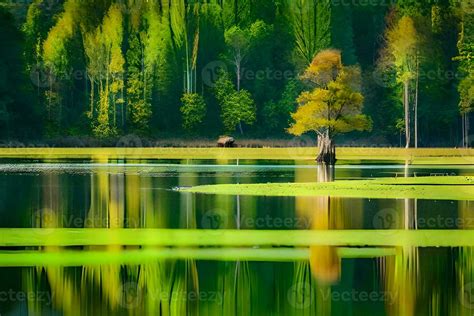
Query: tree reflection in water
[{"x": 413, "y": 277}]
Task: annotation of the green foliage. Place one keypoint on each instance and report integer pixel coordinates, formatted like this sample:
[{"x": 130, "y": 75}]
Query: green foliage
[
  {"x": 276, "y": 115},
  {"x": 18, "y": 115},
  {"x": 466, "y": 92},
  {"x": 114, "y": 67},
  {"x": 111, "y": 64},
  {"x": 401, "y": 49},
  {"x": 342, "y": 35},
  {"x": 223, "y": 86},
  {"x": 466, "y": 58},
  {"x": 55, "y": 52},
  {"x": 193, "y": 111},
  {"x": 139, "y": 106},
  {"x": 401, "y": 55},
  {"x": 237, "y": 39},
  {"x": 237, "y": 107},
  {"x": 311, "y": 23},
  {"x": 241, "y": 41}
]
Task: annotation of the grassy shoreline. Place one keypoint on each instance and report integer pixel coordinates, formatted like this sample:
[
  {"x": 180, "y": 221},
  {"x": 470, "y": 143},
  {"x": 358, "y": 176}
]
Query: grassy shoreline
[
  {"x": 433, "y": 188},
  {"x": 445, "y": 156}
]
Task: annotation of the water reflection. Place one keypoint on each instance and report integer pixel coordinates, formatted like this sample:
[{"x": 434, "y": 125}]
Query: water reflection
[{"x": 414, "y": 281}]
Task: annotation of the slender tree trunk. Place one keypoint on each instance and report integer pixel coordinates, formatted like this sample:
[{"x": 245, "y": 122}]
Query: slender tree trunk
[
  {"x": 107, "y": 110},
  {"x": 240, "y": 128},
  {"x": 406, "y": 105},
  {"x": 466, "y": 130},
  {"x": 122, "y": 108},
  {"x": 416, "y": 101},
  {"x": 115, "y": 110},
  {"x": 237, "y": 69},
  {"x": 188, "y": 81}
]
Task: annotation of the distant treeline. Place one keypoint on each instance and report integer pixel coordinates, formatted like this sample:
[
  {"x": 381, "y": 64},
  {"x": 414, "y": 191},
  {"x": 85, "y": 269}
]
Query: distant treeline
[{"x": 105, "y": 68}]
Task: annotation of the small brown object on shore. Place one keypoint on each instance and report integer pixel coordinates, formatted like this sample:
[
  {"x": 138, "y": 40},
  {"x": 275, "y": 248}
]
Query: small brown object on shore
[{"x": 226, "y": 141}]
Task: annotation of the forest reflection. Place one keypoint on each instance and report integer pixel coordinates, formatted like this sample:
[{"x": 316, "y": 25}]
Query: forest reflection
[{"x": 400, "y": 284}]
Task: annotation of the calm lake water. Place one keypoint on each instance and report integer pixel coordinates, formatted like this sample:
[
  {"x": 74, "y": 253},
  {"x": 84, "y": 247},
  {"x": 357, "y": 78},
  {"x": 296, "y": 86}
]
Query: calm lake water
[{"x": 86, "y": 278}]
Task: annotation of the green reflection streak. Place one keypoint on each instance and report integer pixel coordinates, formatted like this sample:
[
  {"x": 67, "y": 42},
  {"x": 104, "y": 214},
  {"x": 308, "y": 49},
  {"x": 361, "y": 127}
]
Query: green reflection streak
[
  {"x": 18, "y": 258},
  {"x": 15, "y": 237}
]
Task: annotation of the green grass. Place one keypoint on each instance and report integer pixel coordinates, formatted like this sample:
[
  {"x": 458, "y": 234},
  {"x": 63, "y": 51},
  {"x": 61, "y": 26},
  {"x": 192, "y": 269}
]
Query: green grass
[
  {"x": 437, "y": 188},
  {"x": 34, "y": 237},
  {"x": 454, "y": 156}
]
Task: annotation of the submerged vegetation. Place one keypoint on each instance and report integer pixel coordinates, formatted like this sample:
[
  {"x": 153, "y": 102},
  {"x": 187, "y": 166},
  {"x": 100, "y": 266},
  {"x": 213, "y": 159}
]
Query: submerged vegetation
[{"x": 435, "y": 188}]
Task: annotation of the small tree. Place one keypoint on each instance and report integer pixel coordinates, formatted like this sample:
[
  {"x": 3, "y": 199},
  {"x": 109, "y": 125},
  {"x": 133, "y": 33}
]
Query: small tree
[
  {"x": 401, "y": 54},
  {"x": 240, "y": 42},
  {"x": 332, "y": 106},
  {"x": 193, "y": 110},
  {"x": 466, "y": 104},
  {"x": 466, "y": 68},
  {"x": 237, "y": 107}
]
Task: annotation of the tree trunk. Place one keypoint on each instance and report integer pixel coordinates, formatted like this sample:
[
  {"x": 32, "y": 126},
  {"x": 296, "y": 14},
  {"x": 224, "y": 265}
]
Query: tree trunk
[
  {"x": 468, "y": 145},
  {"x": 237, "y": 70},
  {"x": 406, "y": 106},
  {"x": 327, "y": 151},
  {"x": 465, "y": 130},
  {"x": 416, "y": 101}
]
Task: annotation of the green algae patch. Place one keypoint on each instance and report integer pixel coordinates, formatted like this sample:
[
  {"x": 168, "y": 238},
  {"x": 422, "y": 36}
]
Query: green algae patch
[{"x": 432, "y": 188}]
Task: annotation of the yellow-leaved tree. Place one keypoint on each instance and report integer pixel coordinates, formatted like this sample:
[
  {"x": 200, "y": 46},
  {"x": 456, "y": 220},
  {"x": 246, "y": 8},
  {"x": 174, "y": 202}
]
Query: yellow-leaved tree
[
  {"x": 401, "y": 55},
  {"x": 332, "y": 105}
]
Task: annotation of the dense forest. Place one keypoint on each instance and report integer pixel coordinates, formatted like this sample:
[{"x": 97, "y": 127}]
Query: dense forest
[{"x": 203, "y": 68}]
